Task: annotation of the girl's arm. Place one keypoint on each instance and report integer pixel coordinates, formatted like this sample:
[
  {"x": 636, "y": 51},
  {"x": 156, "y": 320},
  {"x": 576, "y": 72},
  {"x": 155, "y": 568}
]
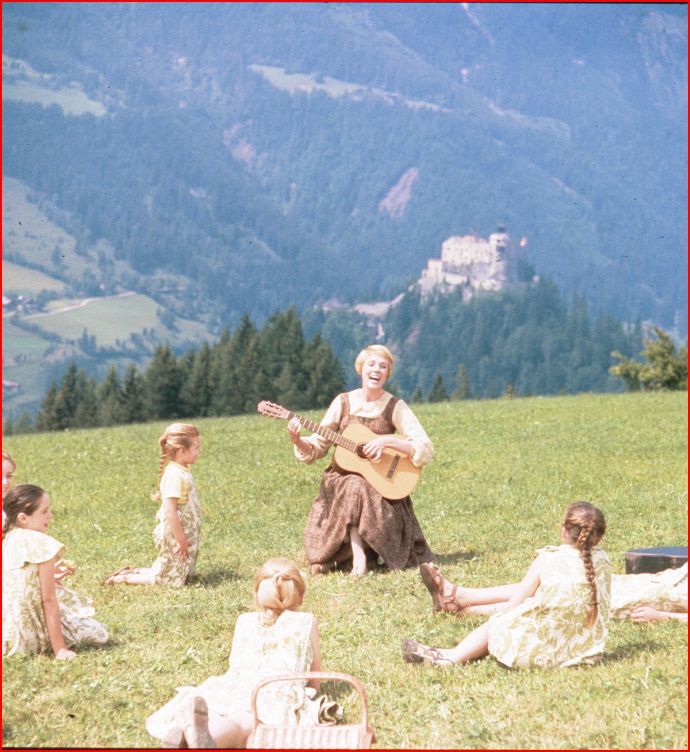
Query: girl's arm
[
  {"x": 526, "y": 588},
  {"x": 170, "y": 510},
  {"x": 647, "y": 613},
  {"x": 51, "y": 611},
  {"x": 316, "y": 654}
]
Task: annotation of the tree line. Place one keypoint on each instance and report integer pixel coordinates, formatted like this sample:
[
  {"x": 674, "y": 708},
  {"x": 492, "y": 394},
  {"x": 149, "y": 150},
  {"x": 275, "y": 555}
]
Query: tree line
[{"x": 228, "y": 377}]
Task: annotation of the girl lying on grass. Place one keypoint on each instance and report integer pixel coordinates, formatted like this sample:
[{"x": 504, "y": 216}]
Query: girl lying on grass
[
  {"x": 276, "y": 639},
  {"x": 176, "y": 534},
  {"x": 556, "y": 616},
  {"x": 38, "y": 613}
]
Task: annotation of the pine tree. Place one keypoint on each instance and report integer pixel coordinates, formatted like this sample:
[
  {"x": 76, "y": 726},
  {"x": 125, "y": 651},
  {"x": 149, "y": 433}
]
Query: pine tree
[
  {"x": 109, "y": 395},
  {"x": 438, "y": 392},
  {"x": 196, "y": 390},
  {"x": 162, "y": 382},
  {"x": 462, "y": 384},
  {"x": 133, "y": 410},
  {"x": 47, "y": 418}
]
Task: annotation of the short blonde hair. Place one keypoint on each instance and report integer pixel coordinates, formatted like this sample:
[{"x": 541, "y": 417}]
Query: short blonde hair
[
  {"x": 376, "y": 350},
  {"x": 278, "y": 586},
  {"x": 7, "y": 457}
]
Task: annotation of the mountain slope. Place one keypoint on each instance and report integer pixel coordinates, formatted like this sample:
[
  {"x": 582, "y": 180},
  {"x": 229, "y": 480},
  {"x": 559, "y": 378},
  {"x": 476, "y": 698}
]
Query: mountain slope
[{"x": 282, "y": 153}]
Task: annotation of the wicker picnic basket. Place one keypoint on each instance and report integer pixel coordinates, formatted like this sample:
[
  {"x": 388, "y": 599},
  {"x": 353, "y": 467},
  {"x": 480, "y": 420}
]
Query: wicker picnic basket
[{"x": 342, "y": 736}]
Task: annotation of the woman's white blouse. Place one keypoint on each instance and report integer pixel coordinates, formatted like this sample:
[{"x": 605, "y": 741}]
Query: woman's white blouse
[{"x": 404, "y": 420}]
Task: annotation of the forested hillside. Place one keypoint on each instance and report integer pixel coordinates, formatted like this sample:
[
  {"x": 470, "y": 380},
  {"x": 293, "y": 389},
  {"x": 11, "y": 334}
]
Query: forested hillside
[{"x": 274, "y": 154}]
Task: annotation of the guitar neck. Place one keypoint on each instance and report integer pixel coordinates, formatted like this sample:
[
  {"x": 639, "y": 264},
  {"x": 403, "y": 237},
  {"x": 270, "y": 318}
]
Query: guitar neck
[{"x": 327, "y": 433}]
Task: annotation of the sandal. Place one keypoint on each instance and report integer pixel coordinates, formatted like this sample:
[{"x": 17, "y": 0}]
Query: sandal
[
  {"x": 110, "y": 579},
  {"x": 415, "y": 652},
  {"x": 434, "y": 580}
]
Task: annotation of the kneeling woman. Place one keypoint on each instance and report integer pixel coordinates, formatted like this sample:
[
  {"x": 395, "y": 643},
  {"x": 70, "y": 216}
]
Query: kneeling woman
[{"x": 349, "y": 519}]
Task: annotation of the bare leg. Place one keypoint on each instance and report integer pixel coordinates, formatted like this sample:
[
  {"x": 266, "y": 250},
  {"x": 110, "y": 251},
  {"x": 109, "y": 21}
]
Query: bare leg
[
  {"x": 481, "y": 596},
  {"x": 475, "y": 645},
  {"x": 230, "y": 731},
  {"x": 127, "y": 576},
  {"x": 359, "y": 557}
]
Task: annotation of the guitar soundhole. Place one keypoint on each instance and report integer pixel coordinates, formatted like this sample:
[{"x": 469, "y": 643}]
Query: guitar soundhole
[{"x": 360, "y": 451}]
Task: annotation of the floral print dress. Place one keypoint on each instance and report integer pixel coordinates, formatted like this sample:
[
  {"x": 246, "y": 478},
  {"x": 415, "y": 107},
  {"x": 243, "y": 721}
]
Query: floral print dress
[
  {"x": 257, "y": 652},
  {"x": 548, "y": 630},
  {"x": 170, "y": 568},
  {"x": 23, "y": 620}
]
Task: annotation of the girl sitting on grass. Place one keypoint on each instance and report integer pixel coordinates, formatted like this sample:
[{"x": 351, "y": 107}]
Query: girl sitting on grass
[
  {"x": 276, "y": 639},
  {"x": 176, "y": 534},
  {"x": 37, "y": 614},
  {"x": 556, "y": 616}
]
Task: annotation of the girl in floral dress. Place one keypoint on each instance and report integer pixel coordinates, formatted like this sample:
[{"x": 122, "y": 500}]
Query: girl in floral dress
[
  {"x": 38, "y": 613},
  {"x": 276, "y": 639},
  {"x": 556, "y": 616},
  {"x": 176, "y": 534}
]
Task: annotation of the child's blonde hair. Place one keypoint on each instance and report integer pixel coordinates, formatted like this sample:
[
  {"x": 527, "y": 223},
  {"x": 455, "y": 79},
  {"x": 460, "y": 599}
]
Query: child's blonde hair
[
  {"x": 6, "y": 456},
  {"x": 175, "y": 437},
  {"x": 376, "y": 350},
  {"x": 278, "y": 586},
  {"x": 585, "y": 526}
]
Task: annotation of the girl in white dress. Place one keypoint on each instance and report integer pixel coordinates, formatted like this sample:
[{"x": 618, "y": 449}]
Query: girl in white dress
[
  {"x": 556, "y": 616},
  {"x": 38, "y": 613},
  {"x": 177, "y": 531},
  {"x": 276, "y": 639}
]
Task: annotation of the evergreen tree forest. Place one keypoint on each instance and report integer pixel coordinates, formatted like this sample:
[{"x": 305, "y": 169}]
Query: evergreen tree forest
[
  {"x": 227, "y": 378},
  {"x": 523, "y": 341}
]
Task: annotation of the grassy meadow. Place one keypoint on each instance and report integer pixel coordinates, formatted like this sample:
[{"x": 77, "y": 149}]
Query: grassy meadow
[{"x": 503, "y": 473}]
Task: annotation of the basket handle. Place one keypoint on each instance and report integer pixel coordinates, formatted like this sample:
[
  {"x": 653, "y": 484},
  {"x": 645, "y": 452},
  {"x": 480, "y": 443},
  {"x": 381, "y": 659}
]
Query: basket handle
[{"x": 322, "y": 676}]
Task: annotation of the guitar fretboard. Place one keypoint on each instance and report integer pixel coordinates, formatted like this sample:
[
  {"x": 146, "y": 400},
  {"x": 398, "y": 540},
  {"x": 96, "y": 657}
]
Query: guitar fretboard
[{"x": 327, "y": 433}]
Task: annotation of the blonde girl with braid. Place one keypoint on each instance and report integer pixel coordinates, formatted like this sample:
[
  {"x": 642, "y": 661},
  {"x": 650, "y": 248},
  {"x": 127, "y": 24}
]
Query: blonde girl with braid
[
  {"x": 555, "y": 617},
  {"x": 176, "y": 534},
  {"x": 275, "y": 639}
]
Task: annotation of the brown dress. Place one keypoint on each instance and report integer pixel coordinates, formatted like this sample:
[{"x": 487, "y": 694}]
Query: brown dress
[{"x": 389, "y": 529}]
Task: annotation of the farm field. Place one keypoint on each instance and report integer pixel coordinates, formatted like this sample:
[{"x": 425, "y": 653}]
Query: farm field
[
  {"x": 21, "y": 279},
  {"x": 503, "y": 473}
]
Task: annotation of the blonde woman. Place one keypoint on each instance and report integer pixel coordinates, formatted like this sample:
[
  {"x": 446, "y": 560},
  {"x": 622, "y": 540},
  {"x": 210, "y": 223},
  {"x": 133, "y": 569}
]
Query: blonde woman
[
  {"x": 275, "y": 639},
  {"x": 350, "y": 523},
  {"x": 176, "y": 534}
]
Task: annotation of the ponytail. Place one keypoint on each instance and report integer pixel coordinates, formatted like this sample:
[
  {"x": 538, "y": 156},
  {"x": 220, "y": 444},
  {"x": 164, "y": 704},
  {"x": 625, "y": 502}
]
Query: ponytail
[{"x": 278, "y": 586}]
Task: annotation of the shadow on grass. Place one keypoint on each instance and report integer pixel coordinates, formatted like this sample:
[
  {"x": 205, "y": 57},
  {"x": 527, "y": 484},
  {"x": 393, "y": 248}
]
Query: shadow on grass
[
  {"x": 456, "y": 557},
  {"x": 623, "y": 652},
  {"x": 214, "y": 578}
]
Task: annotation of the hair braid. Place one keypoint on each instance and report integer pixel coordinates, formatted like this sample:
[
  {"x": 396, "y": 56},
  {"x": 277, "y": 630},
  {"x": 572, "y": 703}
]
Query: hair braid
[
  {"x": 585, "y": 549},
  {"x": 585, "y": 525}
]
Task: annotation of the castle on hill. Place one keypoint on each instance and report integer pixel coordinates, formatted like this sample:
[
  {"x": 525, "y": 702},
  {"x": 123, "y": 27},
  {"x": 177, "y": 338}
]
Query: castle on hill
[{"x": 475, "y": 263}]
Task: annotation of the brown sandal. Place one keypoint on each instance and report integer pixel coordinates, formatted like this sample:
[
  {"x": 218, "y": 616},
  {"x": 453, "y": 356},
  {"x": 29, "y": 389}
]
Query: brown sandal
[
  {"x": 415, "y": 652},
  {"x": 433, "y": 579}
]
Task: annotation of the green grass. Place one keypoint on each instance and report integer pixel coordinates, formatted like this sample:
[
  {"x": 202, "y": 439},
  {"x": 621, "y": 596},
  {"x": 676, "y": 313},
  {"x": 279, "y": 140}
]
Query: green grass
[
  {"x": 503, "y": 472},
  {"x": 21, "y": 279}
]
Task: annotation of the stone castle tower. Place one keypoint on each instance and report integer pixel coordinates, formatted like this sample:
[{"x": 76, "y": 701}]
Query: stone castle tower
[{"x": 476, "y": 263}]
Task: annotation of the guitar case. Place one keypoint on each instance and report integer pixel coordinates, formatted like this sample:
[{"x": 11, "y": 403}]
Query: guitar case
[{"x": 656, "y": 559}]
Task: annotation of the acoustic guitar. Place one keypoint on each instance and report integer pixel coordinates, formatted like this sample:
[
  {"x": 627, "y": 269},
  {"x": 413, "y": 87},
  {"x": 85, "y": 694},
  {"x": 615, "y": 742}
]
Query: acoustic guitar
[{"x": 394, "y": 476}]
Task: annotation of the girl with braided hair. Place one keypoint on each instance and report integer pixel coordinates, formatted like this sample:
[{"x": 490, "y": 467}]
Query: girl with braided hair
[
  {"x": 176, "y": 534},
  {"x": 276, "y": 639},
  {"x": 556, "y": 616}
]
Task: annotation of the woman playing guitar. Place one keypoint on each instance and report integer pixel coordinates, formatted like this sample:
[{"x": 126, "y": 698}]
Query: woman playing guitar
[{"x": 349, "y": 519}]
